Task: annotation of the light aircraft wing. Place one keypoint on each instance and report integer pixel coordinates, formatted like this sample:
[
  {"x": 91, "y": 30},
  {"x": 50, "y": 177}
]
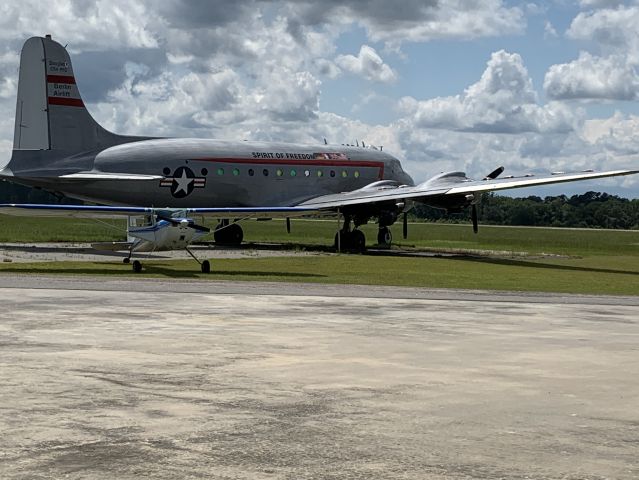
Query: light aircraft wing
[
  {"x": 91, "y": 211},
  {"x": 448, "y": 185}
]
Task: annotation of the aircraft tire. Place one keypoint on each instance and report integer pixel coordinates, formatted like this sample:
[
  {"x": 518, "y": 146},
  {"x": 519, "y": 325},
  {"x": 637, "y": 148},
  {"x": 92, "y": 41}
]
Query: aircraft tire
[
  {"x": 358, "y": 241},
  {"x": 206, "y": 266},
  {"x": 137, "y": 266},
  {"x": 126, "y": 260},
  {"x": 230, "y": 235},
  {"x": 384, "y": 237}
]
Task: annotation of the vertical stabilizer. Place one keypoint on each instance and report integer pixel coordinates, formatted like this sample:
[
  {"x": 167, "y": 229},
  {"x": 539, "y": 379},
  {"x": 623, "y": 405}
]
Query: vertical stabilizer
[
  {"x": 32, "y": 118},
  {"x": 50, "y": 113}
]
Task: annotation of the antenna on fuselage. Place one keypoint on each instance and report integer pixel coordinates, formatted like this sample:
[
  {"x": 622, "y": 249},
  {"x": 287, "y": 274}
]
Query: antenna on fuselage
[{"x": 325, "y": 142}]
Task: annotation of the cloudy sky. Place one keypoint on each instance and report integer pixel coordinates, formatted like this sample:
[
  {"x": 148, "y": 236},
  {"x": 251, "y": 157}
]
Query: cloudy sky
[{"x": 444, "y": 85}]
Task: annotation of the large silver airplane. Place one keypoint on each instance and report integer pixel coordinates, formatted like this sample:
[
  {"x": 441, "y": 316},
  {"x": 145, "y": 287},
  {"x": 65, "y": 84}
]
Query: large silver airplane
[{"x": 164, "y": 184}]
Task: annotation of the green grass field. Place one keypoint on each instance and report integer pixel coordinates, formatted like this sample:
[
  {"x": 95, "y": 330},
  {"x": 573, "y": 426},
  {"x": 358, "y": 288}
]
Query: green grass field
[{"x": 523, "y": 259}]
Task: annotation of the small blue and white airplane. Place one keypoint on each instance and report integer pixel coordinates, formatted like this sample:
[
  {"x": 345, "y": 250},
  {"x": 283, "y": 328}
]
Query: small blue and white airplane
[{"x": 163, "y": 184}]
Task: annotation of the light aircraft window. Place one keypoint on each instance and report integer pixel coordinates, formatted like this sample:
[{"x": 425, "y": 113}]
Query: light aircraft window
[
  {"x": 279, "y": 172},
  {"x": 307, "y": 173},
  {"x": 356, "y": 174},
  {"x": 166, "y": 171},
  {"x": 344, "y": 174},
  {"x": 320, "y": 173},
  {"x": 236, "y": 172},
  {"x": 265, "y": 172},
  {"x": 332, "y": 173},
  {"x": 251, "y": 172},
  {"x": 220, "y": 171},
  {"x": 205, "y": 172},
  {"x": 293, "y": 173}
]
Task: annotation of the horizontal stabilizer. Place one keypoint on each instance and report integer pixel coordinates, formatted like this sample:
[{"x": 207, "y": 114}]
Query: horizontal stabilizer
[{"x": 109, "y": 176}]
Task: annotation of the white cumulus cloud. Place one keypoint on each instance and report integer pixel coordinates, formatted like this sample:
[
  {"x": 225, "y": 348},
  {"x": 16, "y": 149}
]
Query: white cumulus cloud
[
  {"x": 502, "y": 101},
  {"x": 610, "y": 78},
  {"x": 367, "y": 64}
]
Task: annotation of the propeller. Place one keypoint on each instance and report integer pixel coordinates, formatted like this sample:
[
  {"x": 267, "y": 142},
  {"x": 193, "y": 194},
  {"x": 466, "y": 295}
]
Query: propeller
[
  {"x": 473, "y": 216},
  {"x": 178, "y": 221},
  {"x": 405, "y": 226},
  {"x": 494, "y": 174}
]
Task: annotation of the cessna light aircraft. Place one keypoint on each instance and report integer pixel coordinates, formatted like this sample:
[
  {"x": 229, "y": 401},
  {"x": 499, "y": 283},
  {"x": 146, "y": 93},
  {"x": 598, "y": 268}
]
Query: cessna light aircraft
[{"x": 163, "y": 184}]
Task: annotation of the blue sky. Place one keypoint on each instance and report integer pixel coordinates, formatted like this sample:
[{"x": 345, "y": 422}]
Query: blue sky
[{"x": 457, "y": 85}]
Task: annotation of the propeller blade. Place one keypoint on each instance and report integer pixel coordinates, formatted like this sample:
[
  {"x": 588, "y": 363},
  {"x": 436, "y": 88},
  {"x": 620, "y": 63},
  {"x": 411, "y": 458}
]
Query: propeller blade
[
  {"x": 405, "y": 226},
  {"x": 288, "y": 225},
  {"x": 494, "y": 174},
  {"x": 473, "y": 216},
  {"x": 178, "y": 221},
  {"x": 199, "y": 228}
]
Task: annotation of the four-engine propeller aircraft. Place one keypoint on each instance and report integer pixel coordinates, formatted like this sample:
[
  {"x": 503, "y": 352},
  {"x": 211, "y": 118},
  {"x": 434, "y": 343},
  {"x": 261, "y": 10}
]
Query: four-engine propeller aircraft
[{"x": 163, "y": 184}]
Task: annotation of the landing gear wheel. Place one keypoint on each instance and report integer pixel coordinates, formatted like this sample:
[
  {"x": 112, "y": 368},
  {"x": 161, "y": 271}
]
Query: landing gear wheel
[
  {"x": 358, "y": 241},
  {"x": 137, "y": 266},
  {"x": 342, "y": 241},
  {"x": 384, "y": 237},
  {"x": 206, "y": 266},
  {"x": 353, "y": 241},
  {"x": 229, "y": 235},
  {"x": 126, "y": 260}
]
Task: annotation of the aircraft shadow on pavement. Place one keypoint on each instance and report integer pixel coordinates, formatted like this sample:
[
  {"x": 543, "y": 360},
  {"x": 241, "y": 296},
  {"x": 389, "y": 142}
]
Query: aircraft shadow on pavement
[
  {"x": 536, "y": 264},
  {"x": 155, "y": 269}
]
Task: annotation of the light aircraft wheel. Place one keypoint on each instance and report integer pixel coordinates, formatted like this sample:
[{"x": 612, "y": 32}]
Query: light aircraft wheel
[
  {"x": 206, "y": 266},
  {"x": 126, "y": 260},
  {"x": 384, "y": 236},
  {"x": 137, "y": 266}
]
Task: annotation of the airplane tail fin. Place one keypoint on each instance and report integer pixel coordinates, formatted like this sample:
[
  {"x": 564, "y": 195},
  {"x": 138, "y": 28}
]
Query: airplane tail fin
[{"x": 50, "y": 113}]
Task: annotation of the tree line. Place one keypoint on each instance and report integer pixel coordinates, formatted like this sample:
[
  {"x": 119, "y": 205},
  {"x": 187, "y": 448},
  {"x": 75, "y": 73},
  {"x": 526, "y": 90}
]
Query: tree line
[{"x": 590, "y": 210}]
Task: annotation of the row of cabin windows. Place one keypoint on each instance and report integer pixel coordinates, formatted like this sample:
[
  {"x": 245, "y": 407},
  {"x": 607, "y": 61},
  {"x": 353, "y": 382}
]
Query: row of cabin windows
[{"x": 279, "y": 172}]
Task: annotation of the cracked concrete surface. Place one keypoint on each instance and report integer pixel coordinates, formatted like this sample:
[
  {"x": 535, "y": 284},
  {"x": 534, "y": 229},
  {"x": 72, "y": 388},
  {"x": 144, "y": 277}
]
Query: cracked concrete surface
[{"x": 114, "y": 383}]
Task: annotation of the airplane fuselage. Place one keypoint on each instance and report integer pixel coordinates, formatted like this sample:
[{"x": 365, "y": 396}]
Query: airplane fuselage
[{"x": 199, "y": 172}]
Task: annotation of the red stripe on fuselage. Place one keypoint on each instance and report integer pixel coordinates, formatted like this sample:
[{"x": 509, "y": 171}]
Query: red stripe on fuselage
[
  {"x": 61, "y": 79},
  {"x": 309, "y": 162},
  {"x": 67, "y": 102}
]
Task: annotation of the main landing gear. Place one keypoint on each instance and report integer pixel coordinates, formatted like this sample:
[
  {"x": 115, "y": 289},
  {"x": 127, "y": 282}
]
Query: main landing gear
[
  {"x": 349, "y": 239},
  {"x": 205, "y": 265},
  {"x": 227, "y": 233}
]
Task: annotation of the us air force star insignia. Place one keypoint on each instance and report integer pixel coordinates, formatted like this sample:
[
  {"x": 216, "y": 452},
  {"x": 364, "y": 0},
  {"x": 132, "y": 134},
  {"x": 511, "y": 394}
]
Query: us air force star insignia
[{"x": 183, "y": 182}]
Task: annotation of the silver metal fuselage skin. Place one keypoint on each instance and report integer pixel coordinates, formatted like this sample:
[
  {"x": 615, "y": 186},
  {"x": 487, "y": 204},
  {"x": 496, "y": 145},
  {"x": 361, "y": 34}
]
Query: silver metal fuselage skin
[{"x": 212, "y": 173}]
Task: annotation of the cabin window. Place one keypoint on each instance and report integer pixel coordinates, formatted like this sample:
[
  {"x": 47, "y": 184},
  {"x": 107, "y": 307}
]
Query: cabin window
[
  {"x": 307, "y": 173},
  {"x": 166, "y": 171},
  {"x": 205, "y": 172},
  {"x": 344, "y": 174},
  {"x": 356, "y": 174},
  {"x": 220, "y": 171},
  {"x": 251, "y": 172},
  {"x": 279, "y": 172},
  {"x": 265, "y": 172},
  {"x": 293, "y": 173},
  {"x": 332, "y": 173},
  {"x": 320, "y": 173},
  {"x": 236, "y": 172}
]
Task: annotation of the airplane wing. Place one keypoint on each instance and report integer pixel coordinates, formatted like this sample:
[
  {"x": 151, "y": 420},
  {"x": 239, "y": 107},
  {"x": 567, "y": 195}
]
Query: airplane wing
[
  {"x": 444, "y": 187},
  {"x": 92, "y": 211},
  {"x": 448, "y": 188}
]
